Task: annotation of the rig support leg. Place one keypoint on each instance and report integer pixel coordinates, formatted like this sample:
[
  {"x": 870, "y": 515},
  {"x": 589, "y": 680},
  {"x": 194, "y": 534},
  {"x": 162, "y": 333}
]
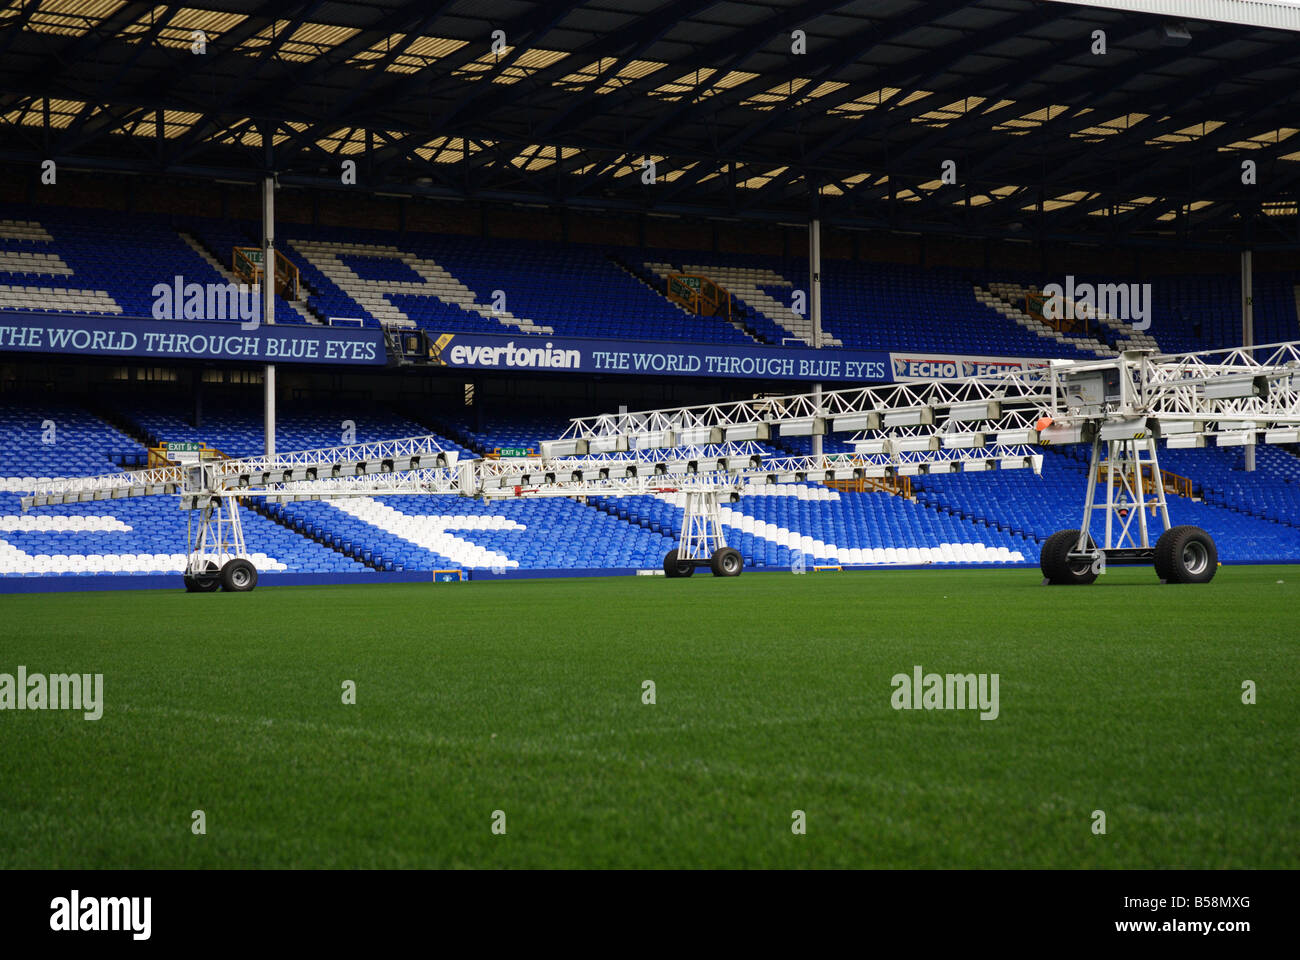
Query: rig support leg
[{"x": 703, "y": 543}]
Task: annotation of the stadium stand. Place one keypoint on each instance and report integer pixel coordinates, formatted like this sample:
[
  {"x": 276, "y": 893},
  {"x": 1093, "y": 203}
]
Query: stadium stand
[
  {"x": 50, "y": 439},
  {"x": 1023, "y": 504},
  {"x": 785, "y": 525},
  {"x": 55, "y": 258},
  {"x": 953, "y": 519},
  {"x": 96, "y": 262},
  {"x": 450, "y": 283},
  {"x": 237, "y": 431}
]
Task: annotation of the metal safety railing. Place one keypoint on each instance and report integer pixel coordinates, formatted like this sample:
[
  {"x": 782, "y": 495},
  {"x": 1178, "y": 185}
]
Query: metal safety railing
[
  {"x": 247, "y": 265},
  {"x": 165, "y": 454},
  {"x": 1173, "y": 483},
  {"x": 699, "y": 294},
  {"x": 897, "y": 485}
]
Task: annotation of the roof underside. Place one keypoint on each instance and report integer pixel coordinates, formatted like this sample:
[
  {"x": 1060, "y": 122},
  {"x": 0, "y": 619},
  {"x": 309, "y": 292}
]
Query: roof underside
[{"x": 1048, "y": 137}]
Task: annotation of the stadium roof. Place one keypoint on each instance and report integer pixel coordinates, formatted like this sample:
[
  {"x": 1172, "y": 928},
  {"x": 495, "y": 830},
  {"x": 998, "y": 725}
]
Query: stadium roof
[{"x": 1050, "y": 138}]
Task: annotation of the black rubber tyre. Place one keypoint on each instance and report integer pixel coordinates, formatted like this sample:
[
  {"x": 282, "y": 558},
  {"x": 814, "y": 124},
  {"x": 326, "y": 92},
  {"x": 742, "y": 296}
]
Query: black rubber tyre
[
  {"x": 238, "y": 576},
  {"x": 1056, "y": 568},
  {"x": 1186, "y": 554},
  {"x": 205, "y": 582},
  {"x": 189, "y": 583},
  {"x": 726, "y": 562},
  {"x": 677, "y": 568}
]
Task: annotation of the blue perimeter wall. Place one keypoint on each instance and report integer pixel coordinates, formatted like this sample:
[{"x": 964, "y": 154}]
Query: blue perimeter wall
[{"x": 173, "y": 581}]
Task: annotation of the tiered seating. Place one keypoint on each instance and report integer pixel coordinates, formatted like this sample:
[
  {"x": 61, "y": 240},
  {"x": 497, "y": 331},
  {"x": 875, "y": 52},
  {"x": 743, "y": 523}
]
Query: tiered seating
[
  {"x": 1203, "y": 311},
  {"x": 774, "y": 526},
  {"x": 1022, "y": 503},
  {"x": 101, "y": 262},
  {"x": 875, "y": 306},
  {"x": 501, "y": 429},
  {"x": 134, "y": 536},
  {"x": 140, "y": 536},
  {"x": 447, "y": 532},
  {"x": 217, "y": 239},
  {"x": 239, "y": 432},
  {"x": 759, "y": 286},
  {"x": 49, "y": 439},
  {"x": 1272, "y": 491},
  {"x": 926, "y": 309},
  {"x": 90, "y": 261},
  {"x": 1008, "y": 299},
  {"x": 93, "y": 262},
  {"x": 452, "y": 283},
  {"x": 958, "y": 518}
]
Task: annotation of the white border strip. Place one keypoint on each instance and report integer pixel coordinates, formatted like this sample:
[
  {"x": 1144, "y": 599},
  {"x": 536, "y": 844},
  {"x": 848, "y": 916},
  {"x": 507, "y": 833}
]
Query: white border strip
[{"x": 1271, "y": 14}]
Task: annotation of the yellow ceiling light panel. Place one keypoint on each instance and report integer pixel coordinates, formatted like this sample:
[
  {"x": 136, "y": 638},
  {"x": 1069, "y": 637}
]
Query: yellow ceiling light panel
[
  {"x": 837, "y": 189},
  {"x": 628, "y": 73},
  {"x": 999, "y": 105},
  {"x": 683, "y": 86},
  {"x": 179, "y": 32},
  {"x": 1187, "y": 134},
  {"x": 768, "y": 99},
  {"x": 62, "y": 113},
  {"x": 733, "y": 78},
  {"x": 583, "y": 77},
  {"x": 71, "y": 18},
  {"x": 1262, "y": 140},
  {"x": 1029, "y": 121},
  {"x": 528, "y": 63},
  {"x": 720, "y": 172},
  {"x": 421, "y": 53},
  {"x": 307, "y": 41},
  {"x": 446, "y": 150},
  {"x": 251, "y": 136},
  {"x": 1110, "y": 128},
  {"x": 540, "y": 156},
  {"x": 677, "y": 172},
  {"x": 1066, "y": 200},
  {"x": 914, "y": 96},
  {"x": 865, "y": 103},
  {"x": 346, "y": 140},
  {"x": 823, "y": 89},
  {"x": 942, "y": 116},
  {"x": 635, "y": 166},
  {"x": 174, "y": 123},
  {"x": 760, "y": 180},
  {"x": 1187, "y": 208}
]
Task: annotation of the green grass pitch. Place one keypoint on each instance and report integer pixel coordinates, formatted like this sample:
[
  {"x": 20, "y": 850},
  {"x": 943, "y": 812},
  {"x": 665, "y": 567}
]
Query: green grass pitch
[{"x": 772, "y": 692}]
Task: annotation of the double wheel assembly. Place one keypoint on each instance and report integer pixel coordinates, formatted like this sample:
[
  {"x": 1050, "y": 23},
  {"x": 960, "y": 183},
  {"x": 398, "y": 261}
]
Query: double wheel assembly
[
  {"x": 725, "y": 562},
  {"x": 1183, "y": 554},
  {"x": 237, "y": 576}
]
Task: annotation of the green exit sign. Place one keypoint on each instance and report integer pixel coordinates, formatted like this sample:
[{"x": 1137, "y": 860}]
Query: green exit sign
[
  {"x": 514, "y": 452},
  {"x": 183, "y": 446}
]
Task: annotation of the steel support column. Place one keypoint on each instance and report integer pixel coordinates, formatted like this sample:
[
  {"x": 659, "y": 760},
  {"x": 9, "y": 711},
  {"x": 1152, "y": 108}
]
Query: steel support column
[
  {"x": 1248, "y": 322},
  {"x": 815, "y": 305},
  {"x": 268, "y": 306}
]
